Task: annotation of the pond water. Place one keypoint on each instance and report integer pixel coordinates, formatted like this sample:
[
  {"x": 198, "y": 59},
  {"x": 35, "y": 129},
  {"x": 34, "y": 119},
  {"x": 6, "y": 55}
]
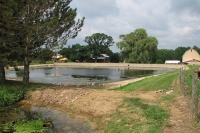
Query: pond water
[{"x": 82, "y": 76}]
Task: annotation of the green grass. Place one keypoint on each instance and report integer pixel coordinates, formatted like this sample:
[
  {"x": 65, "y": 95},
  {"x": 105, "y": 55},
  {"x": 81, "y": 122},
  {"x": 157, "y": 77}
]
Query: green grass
[
  {"x": 161, "y": 82},
  {"x": 10, "y": 95},
  {"x": 188, "y": 75},
  {"x": 33, "y": 126},
  {"x": 138, "y": 117},
  {"x": 24, "y": 126}
]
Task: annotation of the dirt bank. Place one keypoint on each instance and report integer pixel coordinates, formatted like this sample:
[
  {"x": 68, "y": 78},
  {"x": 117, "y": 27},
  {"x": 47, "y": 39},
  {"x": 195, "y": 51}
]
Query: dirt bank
[{"x": 90, "y": 104}]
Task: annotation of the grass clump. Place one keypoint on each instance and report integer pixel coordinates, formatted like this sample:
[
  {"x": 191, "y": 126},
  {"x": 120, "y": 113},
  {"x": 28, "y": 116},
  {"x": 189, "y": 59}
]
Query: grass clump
[
  {"x": 9, "y": 95},
  {"x": 25, "y": 126}
]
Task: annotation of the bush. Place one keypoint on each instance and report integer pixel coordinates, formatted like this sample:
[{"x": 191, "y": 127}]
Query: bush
[
  {"x": 10, "y": 95},
  {"x": 159, "y": 61}
]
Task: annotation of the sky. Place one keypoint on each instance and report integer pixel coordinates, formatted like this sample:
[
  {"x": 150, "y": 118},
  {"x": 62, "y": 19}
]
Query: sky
[{"x": 175, "y": 23}]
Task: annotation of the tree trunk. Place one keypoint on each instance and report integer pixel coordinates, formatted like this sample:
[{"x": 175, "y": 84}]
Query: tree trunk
[
  {"x": 26, "y": 71},
  {"x": 2, "y": 75}
]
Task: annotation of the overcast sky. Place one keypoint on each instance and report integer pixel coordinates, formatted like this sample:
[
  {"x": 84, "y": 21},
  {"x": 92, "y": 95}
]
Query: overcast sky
[{"x": 174, "y": 23}]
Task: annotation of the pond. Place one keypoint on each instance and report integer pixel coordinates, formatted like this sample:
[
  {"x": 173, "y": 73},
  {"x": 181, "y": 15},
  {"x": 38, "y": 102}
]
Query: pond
[{"x": 82, "y": 76}]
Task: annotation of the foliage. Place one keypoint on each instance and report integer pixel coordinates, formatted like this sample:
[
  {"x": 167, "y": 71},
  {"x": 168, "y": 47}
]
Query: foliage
[
  {"x": 138, "y": 47},
  {"x": 38, "y": 23},
  {"x": 44, "y": 55},
  {"x": 115, "y": 57},
  {"x": 78, "y": 52},
  {"x": 65, "y": 52},
  {"x": 159, "y": 61},
  {"x": 99, "y": 43},
  {"x": 178, "y": 52},
  {"x": 188, "y": 77},
  {"x": 24, "y": 126},
  {"x": 165, "y": 54},
  {"x": 10, "y": 95},
  {"x": 197, "y": 49}
]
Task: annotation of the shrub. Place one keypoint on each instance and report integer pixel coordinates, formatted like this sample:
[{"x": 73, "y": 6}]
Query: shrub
[{"x": 10, "y": 95}]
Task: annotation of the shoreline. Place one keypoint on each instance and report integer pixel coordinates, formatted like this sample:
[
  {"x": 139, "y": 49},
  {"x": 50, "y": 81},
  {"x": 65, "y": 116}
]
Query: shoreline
[{"x": 109, "y": 65}]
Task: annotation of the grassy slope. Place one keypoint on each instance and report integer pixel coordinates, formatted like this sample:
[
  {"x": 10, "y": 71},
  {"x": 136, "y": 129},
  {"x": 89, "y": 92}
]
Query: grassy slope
[
  {"x": 137, "y": 115},
  {"x": 162, "y": 82}
]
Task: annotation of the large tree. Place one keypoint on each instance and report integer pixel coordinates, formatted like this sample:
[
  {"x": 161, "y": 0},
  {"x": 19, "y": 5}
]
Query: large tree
[
  {"x": 138, "y": 47},
  {"x": 99, "y": 43},
  {"x": 7, "y": 48},
  {"x": 45, "y": 22}
]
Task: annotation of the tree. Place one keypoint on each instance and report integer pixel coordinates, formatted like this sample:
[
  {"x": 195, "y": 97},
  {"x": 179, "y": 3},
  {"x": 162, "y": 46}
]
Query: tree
[
  {"x": 115, "y": 57},
  {"x": 7, "y": 9},
  {"x": 99, "y": 43},
  {"x": 178, "y": 52},
  {"x": 196, "y": 48},
  {"x": 65, "y": 52},
  {"x": 138, "y": 47},
  {"x": 44, "y": 55},
  {"x": 164, "y": 54},
  {"x": 46, "y": 22}
]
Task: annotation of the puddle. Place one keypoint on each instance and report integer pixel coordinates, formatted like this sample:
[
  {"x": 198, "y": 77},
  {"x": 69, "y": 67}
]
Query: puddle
[{"x": 64, "y": 123}]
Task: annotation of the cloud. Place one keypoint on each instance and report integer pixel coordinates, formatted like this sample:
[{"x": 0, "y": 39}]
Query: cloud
[{"x": 173, "y": 23}]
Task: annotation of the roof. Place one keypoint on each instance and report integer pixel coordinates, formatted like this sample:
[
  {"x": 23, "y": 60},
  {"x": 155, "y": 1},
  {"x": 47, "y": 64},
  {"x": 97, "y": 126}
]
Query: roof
[
  {"x": 172, "y": 61},
  {"x": 104, "y": 55}
]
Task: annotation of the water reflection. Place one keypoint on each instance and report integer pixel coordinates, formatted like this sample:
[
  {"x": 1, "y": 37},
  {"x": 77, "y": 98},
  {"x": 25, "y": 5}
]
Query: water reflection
[{"x": 80, "y": 76}]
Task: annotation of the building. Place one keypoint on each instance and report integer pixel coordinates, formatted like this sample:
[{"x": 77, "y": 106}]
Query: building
[
  {"x": 172, "y": 62},
  {"x": 103, "y": 58},
  {"x": 191, "y": 57}
]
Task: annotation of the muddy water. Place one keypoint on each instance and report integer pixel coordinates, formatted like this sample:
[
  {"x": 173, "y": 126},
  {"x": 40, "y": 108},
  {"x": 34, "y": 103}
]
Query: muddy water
[{"x": 62, "y": 122}]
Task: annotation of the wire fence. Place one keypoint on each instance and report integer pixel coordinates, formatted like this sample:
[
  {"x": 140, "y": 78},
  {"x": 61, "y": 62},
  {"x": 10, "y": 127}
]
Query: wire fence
[{"x": 191, "y": 93}]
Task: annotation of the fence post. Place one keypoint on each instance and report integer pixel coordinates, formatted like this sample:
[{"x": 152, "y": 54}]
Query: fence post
[{"x": 195, "y": 98}]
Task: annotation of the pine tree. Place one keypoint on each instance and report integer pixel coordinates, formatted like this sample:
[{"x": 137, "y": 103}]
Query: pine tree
[{"x": 43, "y": 23}]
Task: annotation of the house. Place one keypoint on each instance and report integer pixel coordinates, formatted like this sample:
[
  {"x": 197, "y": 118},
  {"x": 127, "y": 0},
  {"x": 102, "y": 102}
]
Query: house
[
  {"x": 103, "y": 58},
  {"x": 172, "y": 62},
  {"x": 191, "y": 57}
]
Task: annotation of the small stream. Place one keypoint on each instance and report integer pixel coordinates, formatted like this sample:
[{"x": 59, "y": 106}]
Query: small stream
[{"x": 62, "y": 122}]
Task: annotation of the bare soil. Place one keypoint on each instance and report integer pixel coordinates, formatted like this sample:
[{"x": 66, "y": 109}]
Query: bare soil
[{"x": 87, "y": 103}]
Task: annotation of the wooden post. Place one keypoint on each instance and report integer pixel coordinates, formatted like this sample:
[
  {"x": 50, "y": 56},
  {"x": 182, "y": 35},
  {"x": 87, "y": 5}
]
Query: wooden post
[{"x": 195, "y": 98}]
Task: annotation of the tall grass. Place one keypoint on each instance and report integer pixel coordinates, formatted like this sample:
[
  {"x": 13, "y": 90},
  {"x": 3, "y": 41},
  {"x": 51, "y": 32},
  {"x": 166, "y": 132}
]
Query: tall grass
[{"x": 10, "y": 95}]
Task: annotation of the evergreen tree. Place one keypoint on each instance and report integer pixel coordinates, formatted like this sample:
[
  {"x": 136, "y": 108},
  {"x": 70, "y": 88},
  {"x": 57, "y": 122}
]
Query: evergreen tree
[{"x": 43, "y": 22}]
